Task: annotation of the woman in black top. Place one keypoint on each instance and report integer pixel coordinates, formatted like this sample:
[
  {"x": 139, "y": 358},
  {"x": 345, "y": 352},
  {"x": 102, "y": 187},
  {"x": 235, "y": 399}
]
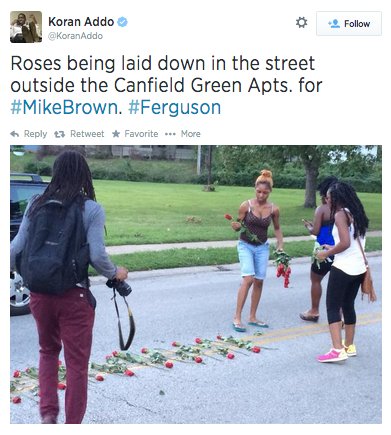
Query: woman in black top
[
  {"x": 321, "y": 227},
  {"x": 257, "y": 214}
]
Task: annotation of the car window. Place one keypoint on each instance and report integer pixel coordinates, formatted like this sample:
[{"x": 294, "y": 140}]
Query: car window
[{"x": 20, "y": 196}]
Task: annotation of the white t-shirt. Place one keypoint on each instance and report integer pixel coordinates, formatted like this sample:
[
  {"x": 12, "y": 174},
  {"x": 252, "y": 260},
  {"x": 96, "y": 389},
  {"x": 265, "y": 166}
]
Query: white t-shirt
[
  {"x": 351, "y": 260},
  {"x": 14, "y": 29}
]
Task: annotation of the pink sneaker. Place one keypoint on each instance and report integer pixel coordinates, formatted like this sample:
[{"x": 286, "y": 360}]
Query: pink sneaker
[{"x": 333, "y": 356}]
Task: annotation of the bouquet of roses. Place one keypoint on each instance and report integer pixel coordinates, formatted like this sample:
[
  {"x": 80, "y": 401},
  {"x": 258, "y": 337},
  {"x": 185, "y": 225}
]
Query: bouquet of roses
[
  {"x": 315, "y": 259},
  {"x": 282, "y": 261},
  {"x": 244, "y": 229}
]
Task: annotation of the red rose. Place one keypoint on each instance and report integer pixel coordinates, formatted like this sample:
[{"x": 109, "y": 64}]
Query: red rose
[
  {"x": 198, "y": 340},
  {"x": 59, "y": 362},
  {"x": 129, "y": 373},
  {"x": 61, "y": 386},
  {"x": 144, "y": 350},
  {"x": 99, "y": 378},
  {"x": 198, "y": 359},
  {"x": 107, "y": 357},
  {"x": 218, "y": 337},
  {"x": 230, "y": 356},
  {"x": 228, "y": 217},
  {"x": 115, "y": 353},
  {"x": 175, "y": 344},
  {"x": 16, "y": 399},
  {"x": 27, "y": 370},
  {"x": 256, "y": 349},
  {"x": 17, "y": 373},
  {"x": 169, "y": 365}
]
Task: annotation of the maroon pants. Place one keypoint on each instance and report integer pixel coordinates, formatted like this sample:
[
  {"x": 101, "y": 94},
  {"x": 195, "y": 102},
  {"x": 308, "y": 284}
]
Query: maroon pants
[{"x": 65, "y": 319}]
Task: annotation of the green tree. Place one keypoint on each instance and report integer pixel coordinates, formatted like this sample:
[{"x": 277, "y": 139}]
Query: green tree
[
  {"x": 310, "y": 157},
  {"x": 313, "y": 156}
]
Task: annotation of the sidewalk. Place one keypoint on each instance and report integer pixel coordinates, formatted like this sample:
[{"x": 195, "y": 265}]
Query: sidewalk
[{"x": 129, "y": 249}]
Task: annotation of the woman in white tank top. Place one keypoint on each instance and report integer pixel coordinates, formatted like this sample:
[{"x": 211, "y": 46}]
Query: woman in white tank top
[{"x": 347, "y": 271}]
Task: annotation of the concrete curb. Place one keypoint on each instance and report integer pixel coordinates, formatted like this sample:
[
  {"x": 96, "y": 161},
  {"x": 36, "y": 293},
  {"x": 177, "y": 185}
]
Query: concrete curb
[
  {"x": 129, "y": 249},
  {"x": 233, "y": 267}
]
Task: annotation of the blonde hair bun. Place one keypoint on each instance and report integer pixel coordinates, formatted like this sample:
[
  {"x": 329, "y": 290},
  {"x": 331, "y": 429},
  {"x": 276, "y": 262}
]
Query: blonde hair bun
[{"x": 265, "y": 176}]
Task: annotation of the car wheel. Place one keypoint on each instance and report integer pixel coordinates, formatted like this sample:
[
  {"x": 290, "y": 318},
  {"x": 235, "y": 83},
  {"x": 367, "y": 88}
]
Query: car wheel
[{"x": 19, "y": 296}]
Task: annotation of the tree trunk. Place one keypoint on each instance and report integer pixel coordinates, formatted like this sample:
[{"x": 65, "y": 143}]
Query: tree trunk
[
  {"x": 378, "y": 154},
  {"x": 311, "y": 176},
  {"x": 209, "y": 164}
]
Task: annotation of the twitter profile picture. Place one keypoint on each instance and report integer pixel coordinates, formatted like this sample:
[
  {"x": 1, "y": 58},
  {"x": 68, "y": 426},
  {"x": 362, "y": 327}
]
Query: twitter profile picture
[{"x": 26, "y": 27}]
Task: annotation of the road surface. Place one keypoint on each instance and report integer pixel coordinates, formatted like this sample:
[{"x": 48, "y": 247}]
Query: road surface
[{"x": 283, "y": 384}]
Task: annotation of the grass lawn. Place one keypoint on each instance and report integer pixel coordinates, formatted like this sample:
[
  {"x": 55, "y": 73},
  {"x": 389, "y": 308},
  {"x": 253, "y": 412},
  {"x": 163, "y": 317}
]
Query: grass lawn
[{"x": 142, "y": 213}]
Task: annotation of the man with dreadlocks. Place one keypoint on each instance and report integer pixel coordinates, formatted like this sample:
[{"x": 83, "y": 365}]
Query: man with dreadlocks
[
  {"x": 67, "y": 319},
  {"x": 348, "y": 269}
]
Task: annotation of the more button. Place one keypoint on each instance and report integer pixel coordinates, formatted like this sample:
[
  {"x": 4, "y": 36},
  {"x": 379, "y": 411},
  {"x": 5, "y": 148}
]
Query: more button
[{"x": 348, "y": 24}]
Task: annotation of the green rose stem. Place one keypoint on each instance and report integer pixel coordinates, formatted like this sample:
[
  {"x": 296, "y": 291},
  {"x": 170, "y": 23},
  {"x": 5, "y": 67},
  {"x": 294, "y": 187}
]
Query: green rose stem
[
  {"x": 244, "y": 229},
  {"x": 210, "y": 356},
  {"x": 315, "y": 259}
]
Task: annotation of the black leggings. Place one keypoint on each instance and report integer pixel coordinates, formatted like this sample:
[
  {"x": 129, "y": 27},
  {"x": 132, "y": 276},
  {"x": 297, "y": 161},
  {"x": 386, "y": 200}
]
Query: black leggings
[{"x": 342, "y": 290}]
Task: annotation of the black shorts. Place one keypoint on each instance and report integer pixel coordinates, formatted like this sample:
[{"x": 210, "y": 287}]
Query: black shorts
[{"x": 324, "y": 268}]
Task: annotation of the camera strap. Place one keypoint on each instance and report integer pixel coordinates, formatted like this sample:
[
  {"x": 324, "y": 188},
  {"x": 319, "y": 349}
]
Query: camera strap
[{"x": 132, "y": 325}]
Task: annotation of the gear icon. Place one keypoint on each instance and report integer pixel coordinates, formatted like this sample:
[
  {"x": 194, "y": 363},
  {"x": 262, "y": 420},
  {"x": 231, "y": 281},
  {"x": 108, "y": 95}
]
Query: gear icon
[{"x": 301, "y": 22}]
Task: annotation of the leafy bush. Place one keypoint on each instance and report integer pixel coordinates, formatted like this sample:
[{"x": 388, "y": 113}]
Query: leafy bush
[
  {"x": 101, "y": 173},
  {"x": 291, "y": 176},
  {"x": 294, "y": 178},
  {"x": 237, "y": 178},
  {"x": 365, "y": 185},
  {"x": 40, "y": 168}
]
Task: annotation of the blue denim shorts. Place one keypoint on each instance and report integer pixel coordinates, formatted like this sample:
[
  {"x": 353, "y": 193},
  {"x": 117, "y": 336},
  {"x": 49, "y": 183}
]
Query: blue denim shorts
[{"x": 253, "y": 259}]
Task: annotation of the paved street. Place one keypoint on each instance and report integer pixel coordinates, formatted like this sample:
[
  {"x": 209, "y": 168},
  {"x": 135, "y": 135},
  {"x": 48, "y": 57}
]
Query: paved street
[{"x": 282, "y": 384}]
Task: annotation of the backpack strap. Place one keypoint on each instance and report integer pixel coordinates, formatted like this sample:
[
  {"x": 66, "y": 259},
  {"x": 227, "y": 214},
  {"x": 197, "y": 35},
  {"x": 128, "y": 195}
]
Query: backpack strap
[{"x": 132, "y": 331}]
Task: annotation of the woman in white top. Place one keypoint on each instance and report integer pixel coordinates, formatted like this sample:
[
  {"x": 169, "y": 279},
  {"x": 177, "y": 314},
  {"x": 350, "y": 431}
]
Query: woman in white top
[{"x": 347, "y": 271}]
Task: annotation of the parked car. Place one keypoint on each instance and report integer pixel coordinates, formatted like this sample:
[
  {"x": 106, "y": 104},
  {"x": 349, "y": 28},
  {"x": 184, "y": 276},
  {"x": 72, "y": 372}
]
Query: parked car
[{"x": 22, "y": 188}]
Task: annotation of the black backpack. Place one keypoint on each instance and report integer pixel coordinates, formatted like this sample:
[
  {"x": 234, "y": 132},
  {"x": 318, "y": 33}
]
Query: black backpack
[{"x": 56, "y": 255}]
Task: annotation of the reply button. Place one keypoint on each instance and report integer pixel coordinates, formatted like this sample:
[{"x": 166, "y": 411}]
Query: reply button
[{"x": 348, "y": 23}]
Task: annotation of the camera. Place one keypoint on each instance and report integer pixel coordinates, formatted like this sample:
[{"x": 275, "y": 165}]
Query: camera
[{"x": 122, "y": 287}]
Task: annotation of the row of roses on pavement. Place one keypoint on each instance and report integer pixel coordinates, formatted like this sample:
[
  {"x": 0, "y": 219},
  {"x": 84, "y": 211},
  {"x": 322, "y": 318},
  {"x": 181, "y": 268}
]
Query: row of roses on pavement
[{"x": 120, "y": 362}]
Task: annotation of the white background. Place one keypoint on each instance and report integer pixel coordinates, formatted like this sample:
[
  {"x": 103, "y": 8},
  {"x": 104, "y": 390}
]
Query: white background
[{"x": 353, "y": 106}]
